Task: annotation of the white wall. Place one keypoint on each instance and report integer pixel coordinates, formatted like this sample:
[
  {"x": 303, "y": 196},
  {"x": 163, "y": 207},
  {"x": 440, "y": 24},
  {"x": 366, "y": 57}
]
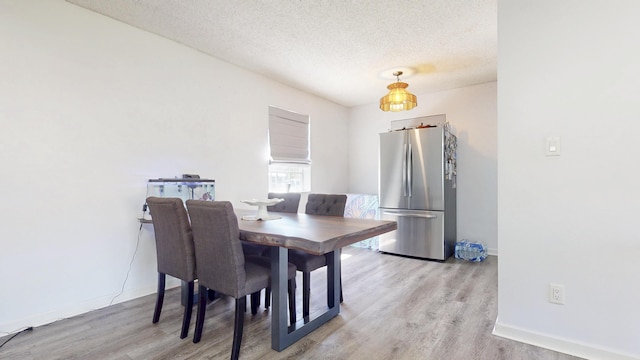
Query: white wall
[
  {"x": 569, "y": 69},
  {"x": 90, "y": 109},
  {"x": 471, "y": 111}
]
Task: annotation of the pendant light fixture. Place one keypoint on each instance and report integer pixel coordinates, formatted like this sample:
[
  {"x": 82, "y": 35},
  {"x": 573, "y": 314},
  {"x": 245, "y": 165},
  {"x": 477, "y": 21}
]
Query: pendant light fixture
[{"x": 398, "y": 98}]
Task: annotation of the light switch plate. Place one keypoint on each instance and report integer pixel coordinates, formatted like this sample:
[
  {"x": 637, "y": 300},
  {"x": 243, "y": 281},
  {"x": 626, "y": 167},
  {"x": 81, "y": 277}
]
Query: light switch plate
[{"x": 552, "y": 146}]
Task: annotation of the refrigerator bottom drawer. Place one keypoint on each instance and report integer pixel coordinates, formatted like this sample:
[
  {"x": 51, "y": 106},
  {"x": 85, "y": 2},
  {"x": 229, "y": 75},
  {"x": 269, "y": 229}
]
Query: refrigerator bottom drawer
[{"x": 419, "y": 234}]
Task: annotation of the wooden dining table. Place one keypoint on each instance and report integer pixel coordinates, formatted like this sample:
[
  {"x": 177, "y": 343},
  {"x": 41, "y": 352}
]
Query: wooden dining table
[{"x": 314, "y": 234}]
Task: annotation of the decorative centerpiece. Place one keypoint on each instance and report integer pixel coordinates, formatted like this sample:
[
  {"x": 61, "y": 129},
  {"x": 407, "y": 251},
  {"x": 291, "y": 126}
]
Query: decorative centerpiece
[{"x": 262, "y": 209}]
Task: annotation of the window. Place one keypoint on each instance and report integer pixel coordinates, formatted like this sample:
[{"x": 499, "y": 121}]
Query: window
[{"x": 290, "y": 160}]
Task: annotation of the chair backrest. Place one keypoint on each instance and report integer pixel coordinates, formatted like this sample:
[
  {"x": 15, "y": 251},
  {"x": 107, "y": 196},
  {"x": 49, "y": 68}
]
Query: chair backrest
[
  {"x": 219, "y": 253},
  {"x": 289, "y": 205},
  {"x": 326, "y": 204},
  {"x": 174, "y": 240}
]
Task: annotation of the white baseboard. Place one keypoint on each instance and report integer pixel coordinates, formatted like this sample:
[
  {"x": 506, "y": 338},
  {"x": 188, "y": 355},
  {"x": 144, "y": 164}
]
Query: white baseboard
[
  {"x": 16, "y": 325},
  {"x": 547, "y": 341},
  {"x": 492, "y": 251}
]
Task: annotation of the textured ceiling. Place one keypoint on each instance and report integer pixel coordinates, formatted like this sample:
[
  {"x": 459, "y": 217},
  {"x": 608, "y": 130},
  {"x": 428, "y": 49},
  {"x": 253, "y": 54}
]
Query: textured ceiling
[{"x": 341, "y": 50}]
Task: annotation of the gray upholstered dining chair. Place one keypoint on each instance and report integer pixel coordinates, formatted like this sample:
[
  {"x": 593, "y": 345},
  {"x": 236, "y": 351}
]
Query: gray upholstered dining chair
[
  {"x": 222, "y": 264},
  {"x": 317, "y": 204},
  {"x": 326, "y": 204},
  {"x": 175, "y": 251},
  {"x": 289, "y": 205}
]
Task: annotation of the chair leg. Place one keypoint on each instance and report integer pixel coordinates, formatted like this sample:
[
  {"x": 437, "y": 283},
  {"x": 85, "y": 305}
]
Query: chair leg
[
  {"x": 160, "y": 297},
  {"x": 202, "y": 308},
  {"x": 267, "y": 297},
  {"x": 211, "y": 294},
  {"x": 292, "y": 301},
  {"x": 255, "y": 302},
  {"x": 306, "y": 290},
  {"x": 241, "y": 304},
  {"x": 186, "y": 319}
]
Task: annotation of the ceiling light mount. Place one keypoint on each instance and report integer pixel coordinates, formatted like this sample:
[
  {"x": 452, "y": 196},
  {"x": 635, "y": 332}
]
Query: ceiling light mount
[{"x": 398, "y": 98}]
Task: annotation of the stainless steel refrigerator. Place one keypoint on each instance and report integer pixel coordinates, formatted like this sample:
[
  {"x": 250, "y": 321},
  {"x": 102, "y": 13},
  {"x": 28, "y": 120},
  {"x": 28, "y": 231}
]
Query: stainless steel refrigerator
[{"x": 417, "y": 189}]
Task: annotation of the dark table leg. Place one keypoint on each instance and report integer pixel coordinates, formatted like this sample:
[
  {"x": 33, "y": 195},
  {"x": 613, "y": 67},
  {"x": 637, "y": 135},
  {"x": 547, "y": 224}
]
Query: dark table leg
[{"x": 282, "y": 336}]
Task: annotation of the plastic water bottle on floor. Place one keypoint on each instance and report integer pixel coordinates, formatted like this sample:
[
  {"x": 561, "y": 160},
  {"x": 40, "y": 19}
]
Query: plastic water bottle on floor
[{"x": 470, "y": 251}]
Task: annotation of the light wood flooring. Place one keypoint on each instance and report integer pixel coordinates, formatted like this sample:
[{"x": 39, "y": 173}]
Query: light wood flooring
[{"x": 394, "y": 308}]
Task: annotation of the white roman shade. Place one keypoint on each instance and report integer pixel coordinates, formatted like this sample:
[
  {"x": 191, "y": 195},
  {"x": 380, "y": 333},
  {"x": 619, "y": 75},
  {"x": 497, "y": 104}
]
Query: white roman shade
[{"x": 288, "y": 137}]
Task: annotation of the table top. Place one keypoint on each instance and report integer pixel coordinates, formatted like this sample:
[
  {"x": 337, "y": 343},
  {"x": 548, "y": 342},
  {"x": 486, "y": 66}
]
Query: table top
[{"x": 311, "y": 233}]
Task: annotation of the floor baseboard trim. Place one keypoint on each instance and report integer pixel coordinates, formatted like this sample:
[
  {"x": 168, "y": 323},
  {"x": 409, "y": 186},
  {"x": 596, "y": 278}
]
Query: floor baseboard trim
[
  {"x": 79, "y": 308},
  {"x": 558, "y": 344}
]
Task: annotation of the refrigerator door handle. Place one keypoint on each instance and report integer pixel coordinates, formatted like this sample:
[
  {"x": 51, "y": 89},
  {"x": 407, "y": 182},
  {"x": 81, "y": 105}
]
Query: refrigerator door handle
[
  {"x": 409, "y": 170},
  {"x": 398, "y": 214},
  {"x": 404, "y": 170}
]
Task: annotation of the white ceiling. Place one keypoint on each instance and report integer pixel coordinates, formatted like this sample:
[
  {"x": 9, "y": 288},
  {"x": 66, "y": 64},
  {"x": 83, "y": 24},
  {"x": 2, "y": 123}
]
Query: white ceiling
[{"x": 341, "y": 50}]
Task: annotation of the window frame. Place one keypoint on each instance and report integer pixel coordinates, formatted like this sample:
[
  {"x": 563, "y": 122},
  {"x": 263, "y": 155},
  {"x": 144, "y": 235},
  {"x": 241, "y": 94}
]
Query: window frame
[{"x": 289, "y": 151}]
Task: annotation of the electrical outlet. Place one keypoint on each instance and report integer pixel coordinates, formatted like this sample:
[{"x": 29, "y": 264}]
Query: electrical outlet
[
  {"x": 553, "y": 146},
  {"x": 556, "y": 294}
]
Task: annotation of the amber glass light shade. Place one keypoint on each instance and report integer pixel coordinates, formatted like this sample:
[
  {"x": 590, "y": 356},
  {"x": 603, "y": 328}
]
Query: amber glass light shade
[{"x": 398, "y": 98}]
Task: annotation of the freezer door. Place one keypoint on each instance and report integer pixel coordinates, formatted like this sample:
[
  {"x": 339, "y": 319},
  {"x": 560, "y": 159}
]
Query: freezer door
[
  {"x": 392, "y": 170},
  {"x": 426, "y": 175},
  {"x": 419, "y": 234}
]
